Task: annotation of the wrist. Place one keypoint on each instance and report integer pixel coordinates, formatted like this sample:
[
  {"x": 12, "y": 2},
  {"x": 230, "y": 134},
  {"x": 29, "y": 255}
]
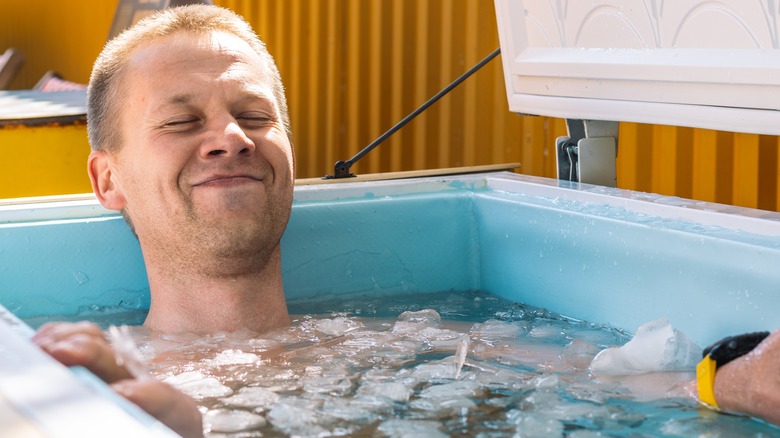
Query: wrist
[{"x": 716, "y": 360}]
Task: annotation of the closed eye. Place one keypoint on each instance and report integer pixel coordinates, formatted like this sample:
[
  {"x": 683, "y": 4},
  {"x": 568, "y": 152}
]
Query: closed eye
[
  {"x": 255, "y": 120},
  {"x": 180, "y": 122}
]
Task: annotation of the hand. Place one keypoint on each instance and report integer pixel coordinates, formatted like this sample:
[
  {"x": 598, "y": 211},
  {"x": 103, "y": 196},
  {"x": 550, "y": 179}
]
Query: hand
[
  {"x": 81, "y": 343},
  {"x": 165, "y": 403},
  {"x": 85, "y": 344},
  {"x": 751, "y": 384}
]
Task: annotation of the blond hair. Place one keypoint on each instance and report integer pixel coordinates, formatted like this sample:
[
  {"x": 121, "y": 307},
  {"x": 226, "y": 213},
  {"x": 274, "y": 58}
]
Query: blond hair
[{"x": 106, "y": 90}]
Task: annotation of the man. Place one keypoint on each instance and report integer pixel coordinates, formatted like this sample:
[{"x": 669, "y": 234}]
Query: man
[
  {"x": 190, "y": 135},
  {"x": 189, "y": 128}
]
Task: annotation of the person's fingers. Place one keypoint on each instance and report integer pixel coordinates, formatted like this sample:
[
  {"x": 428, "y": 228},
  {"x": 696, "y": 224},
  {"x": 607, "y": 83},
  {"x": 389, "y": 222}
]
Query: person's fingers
[
  {"x": 81, "y": 344},
  {"x": 55, "y": 331},
  {"x": 164, "y": 402}
]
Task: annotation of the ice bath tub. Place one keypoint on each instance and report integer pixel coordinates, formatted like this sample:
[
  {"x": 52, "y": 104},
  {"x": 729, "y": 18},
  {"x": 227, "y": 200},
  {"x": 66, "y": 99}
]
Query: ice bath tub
[{"x": 594, "y": 253}]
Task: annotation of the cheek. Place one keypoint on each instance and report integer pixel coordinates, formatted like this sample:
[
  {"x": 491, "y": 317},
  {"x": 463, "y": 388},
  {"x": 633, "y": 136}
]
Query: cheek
[
  {"x": 148, "y": 180},
  {"x": 277, "y": 150},
  {"x": 284, "y": 152}
]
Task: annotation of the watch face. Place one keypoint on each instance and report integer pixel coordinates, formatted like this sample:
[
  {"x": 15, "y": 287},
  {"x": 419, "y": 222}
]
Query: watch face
[{"x": 732, "y": 347}]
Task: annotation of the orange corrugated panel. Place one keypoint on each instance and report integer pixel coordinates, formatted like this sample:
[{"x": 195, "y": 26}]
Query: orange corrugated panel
[
  {"x": 705, "y": 165},
  {"x": 746, "y": 170},
  {"x": 767, "y": 172}
]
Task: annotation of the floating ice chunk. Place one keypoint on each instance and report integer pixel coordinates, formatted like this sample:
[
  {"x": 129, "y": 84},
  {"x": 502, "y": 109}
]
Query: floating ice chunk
[
  {"x": 490, "y": 377},
  {"x": 595, "y": 392},
  {"x": 434, "y": 370},
  {"x": 405, "y": 328},
  {"x": 274, "y": 379},
  {"x": 546, "y": 381},
  {"x": 427, "y": 317},
  {"x": 297, "y": 417},
  {"x": 654, "y": 386},
  {"x": 186, "y": 377},
  {"x": 252, "y": 397},
  {"x": 534, "y": 425},
  {"x": 460, "y": 355},
  {"x": 454, "y": 390},
  {"x": 233, "y": 357},
  {"x": 395, "y": 391},
  {"x": 585, "y": 433},
  {"x": 372, "y": 404},
  {"x": 433, "y": 336},
  {"x": 655, "y": 347},
  {"x": 495, "y": 329},
  {"x": 127, "y": 352},
  {"x": 442, "y": 338},
  {"x": 410, "y": 428},
  {"x": 443, "y": 407},
  {"x": 547, "y": 331},
  {"x": 335, "y": 380},
  {"x": 231, "y": 421},
  {"x": 356, "y": 411},
  {"x": 522, "y": 351},
  {"x": 337, "y": 326},
  {"x": 198, "y": 386},
  {"x": 579, "y": 354}
]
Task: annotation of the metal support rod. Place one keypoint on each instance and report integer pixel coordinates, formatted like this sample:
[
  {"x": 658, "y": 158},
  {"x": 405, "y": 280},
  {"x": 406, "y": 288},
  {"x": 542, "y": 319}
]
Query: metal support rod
[{"x": 341, "y": 169}]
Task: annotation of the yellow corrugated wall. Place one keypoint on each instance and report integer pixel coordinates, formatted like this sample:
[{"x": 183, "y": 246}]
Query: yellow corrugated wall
[{"x": 353, "y": 68}]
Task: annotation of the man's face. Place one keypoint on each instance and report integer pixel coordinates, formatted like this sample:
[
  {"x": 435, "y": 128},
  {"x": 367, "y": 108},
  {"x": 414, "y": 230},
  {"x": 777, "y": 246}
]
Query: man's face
[{"x": 205, "y": 158}]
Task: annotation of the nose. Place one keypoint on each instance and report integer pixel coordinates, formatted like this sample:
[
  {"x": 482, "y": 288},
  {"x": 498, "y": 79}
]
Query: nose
[{"x": 227, "y": 140}]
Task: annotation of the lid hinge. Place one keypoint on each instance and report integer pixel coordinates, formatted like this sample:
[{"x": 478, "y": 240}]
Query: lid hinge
[{"x": 589, "y": 153}]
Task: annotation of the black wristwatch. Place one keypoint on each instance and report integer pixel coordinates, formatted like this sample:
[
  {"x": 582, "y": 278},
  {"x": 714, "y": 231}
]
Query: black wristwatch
[
  {"x": 718, "y": 354},
  {"x": 732, "y": 347}
]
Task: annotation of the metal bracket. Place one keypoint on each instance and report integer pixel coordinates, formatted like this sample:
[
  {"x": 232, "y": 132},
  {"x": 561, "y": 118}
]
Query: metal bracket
[{"x": 589, "y": 153}]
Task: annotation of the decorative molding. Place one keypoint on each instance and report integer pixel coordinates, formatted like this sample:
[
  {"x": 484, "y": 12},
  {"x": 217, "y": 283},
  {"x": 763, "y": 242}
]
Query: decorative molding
[{"x": 710, "y": 63}]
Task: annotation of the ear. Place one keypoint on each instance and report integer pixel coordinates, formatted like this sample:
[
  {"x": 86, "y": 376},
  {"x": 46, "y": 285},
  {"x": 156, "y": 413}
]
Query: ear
[{"x": 103, "y": 179}]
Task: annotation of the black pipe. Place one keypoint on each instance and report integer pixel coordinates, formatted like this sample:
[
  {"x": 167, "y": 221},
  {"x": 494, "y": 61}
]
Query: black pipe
[{"x": 341, "y": 169}]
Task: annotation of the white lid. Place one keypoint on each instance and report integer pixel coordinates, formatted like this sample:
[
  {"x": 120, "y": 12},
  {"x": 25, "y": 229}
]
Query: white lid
[{"x": 699, "y": 63}]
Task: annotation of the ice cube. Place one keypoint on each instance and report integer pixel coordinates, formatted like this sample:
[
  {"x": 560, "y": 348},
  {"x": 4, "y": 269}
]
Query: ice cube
[
  {"x": 495, "y": 329},
  {"x": 655, "y": 347},
  {"x": 411, "y": 428},
  {"x": 395, "y": 391},
  {"x": 337, "y": 326},
  {"x": 453, "y": 390},
  {"x": 199, "y": 386},
  {"x": 296, "y": 416},
  {"x": 534, "y": 425},
  {"x": 579, "y": 354},
  {"x": 252, "y": 397},
  {"x": 231, "y": 421},
  {"x": 233, "y": 357},
  {"x": 427, "y": 317}
]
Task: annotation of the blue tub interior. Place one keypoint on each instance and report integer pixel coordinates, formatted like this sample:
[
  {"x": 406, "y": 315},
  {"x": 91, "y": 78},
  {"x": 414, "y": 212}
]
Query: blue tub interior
[{"x": 607, "y": 256}]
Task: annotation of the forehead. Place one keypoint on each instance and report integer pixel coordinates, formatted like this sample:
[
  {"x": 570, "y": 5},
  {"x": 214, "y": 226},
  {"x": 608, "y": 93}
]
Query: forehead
[{"x": 183, "y": 59}]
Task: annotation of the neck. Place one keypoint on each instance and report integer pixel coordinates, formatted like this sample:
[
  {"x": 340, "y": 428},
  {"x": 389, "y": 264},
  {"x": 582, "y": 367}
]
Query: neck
[{"x": 198, "y": 299}]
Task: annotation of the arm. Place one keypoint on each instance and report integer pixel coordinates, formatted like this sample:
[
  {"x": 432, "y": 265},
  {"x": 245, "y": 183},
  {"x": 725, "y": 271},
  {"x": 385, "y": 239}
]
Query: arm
[
  {"x": 85, "y": 344},
  {"x": 751, "y": 384}
]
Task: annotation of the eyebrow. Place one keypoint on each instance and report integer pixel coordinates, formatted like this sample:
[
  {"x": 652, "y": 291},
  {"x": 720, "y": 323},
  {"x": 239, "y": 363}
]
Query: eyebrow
[
  {"x": 175, "y": 100},
  {"x": 249, "y": 93},
  {"x": 253, "y": 92}
]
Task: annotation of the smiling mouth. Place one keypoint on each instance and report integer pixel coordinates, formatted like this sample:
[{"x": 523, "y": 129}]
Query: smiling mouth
[{"x": 227, "y": 181}]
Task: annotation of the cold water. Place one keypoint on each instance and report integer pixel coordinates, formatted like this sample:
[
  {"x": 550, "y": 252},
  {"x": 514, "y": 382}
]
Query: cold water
[{"x": 447, "y": 364}]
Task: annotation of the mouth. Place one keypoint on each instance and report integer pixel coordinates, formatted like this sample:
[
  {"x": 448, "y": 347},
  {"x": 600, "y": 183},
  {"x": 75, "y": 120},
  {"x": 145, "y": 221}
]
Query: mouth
[{"x": 226, "y": 180}]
